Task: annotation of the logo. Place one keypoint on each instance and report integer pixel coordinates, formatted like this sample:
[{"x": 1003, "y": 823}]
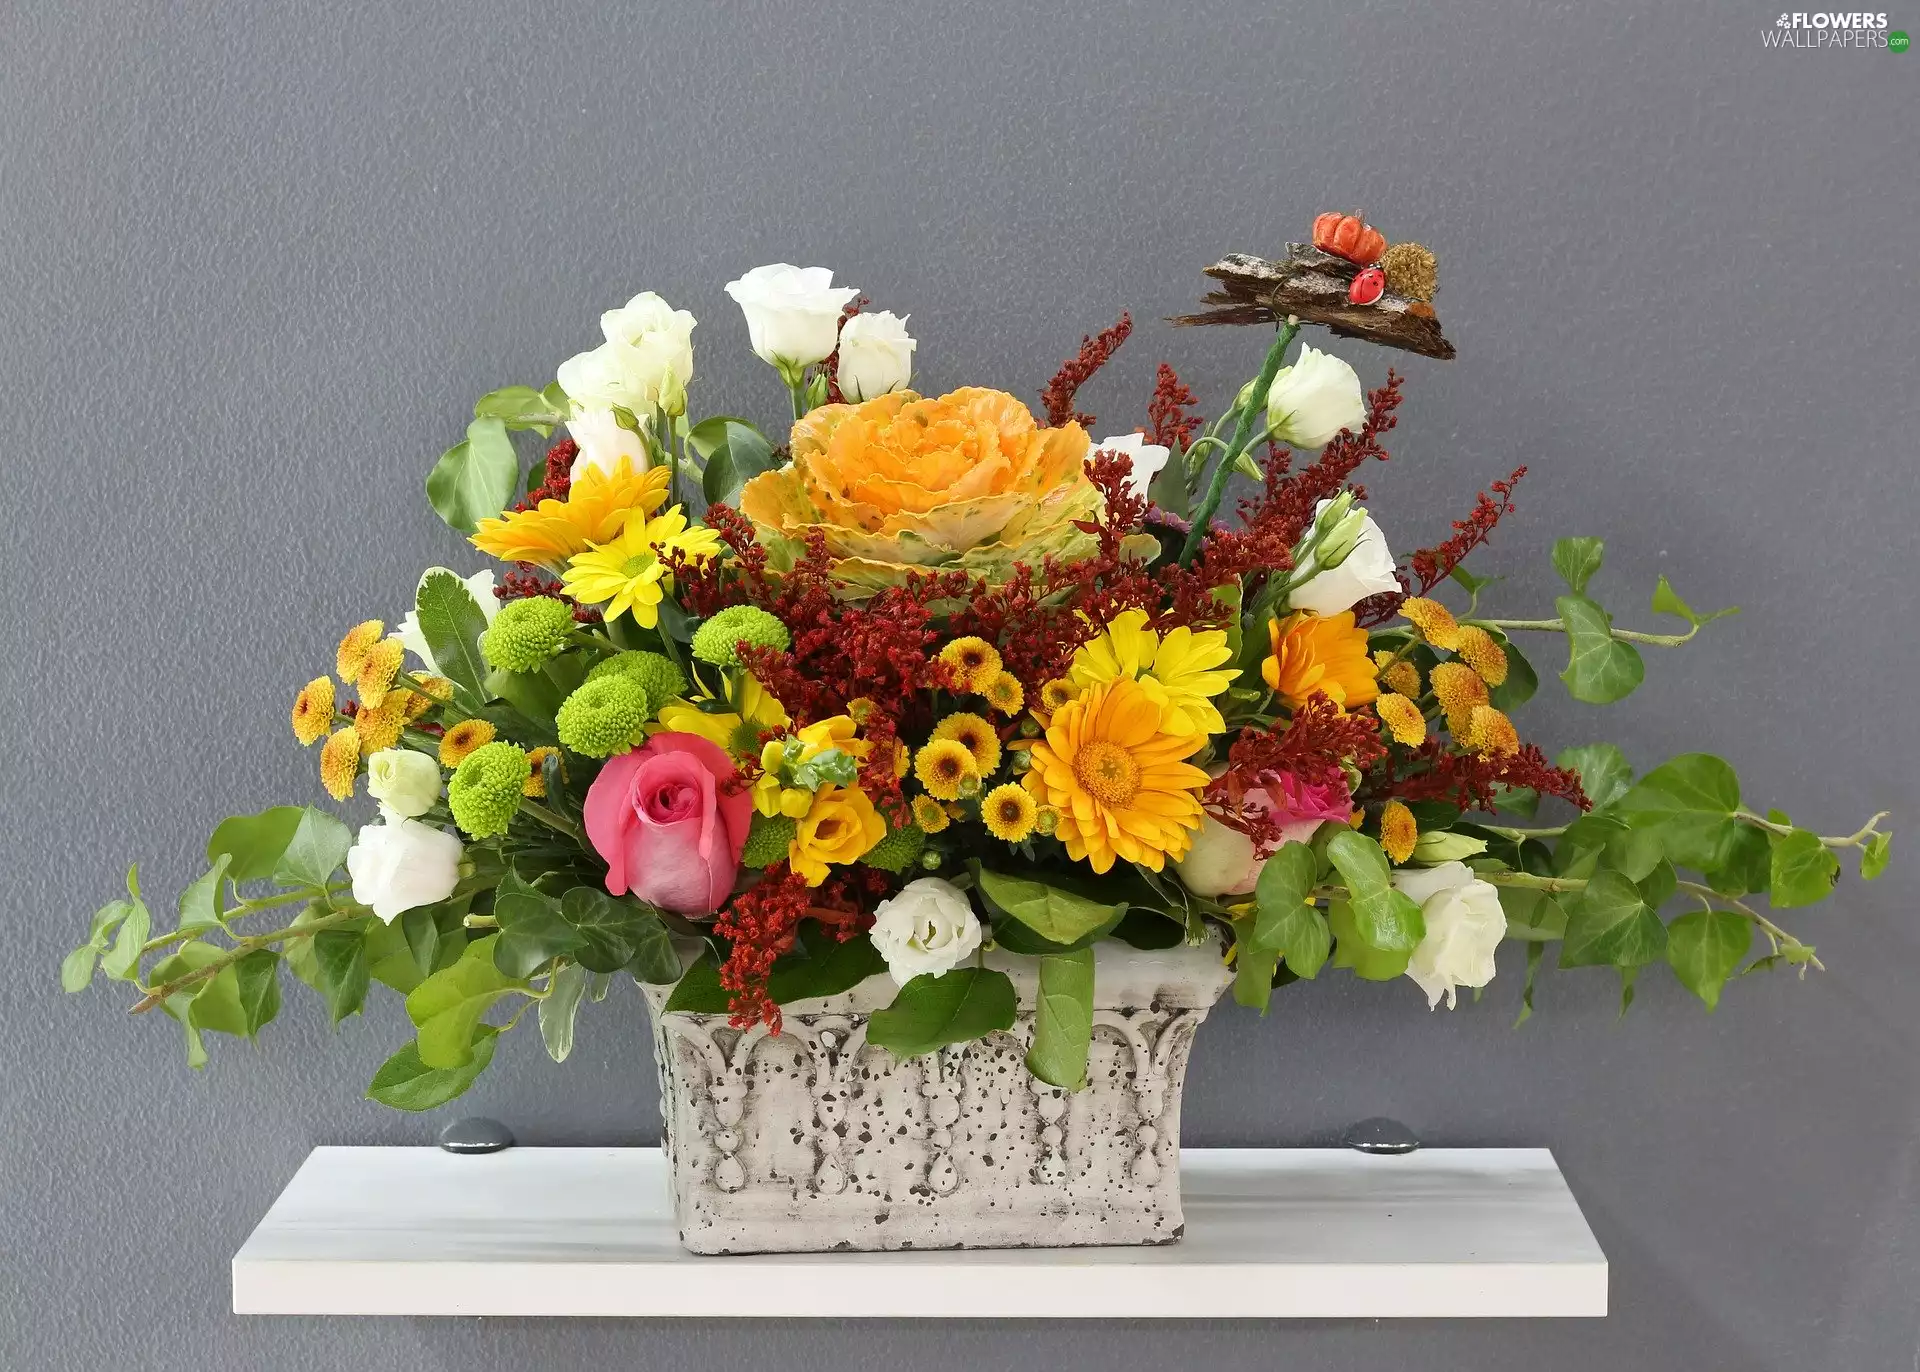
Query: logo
[{"x": 1824, "y": 29}]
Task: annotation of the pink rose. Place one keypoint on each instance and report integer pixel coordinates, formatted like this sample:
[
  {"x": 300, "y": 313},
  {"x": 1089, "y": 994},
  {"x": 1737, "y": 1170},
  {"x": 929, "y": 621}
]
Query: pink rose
[
  {"x": 1224, "y": 862},
  {"x": 667, "y": 829}
]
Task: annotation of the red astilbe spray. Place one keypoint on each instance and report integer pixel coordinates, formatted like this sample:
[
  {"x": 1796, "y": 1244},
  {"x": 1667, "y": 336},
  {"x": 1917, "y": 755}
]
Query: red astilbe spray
[
  {"x": 1311, "y": 747},
  {"x": 558, "y": 479},
  {"x": 1431, "y": 566},
  {"x": 830, "y": 369},
  {"x": 1467, "y": 780},
  {"x": 1076, "y": 370},
  {"x": 761, "y": 926},
  {"x": 1173, "y": 428}
]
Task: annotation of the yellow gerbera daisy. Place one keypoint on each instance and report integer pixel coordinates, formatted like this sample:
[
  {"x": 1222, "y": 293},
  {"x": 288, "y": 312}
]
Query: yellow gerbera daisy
[
  {"x": 1005, "y": 693},
  {"x": 1177, "y": 669},
  {"x": 595, "y": 510},
  {"x": 1119, "y": 777},
  {"x": 627, "y": 575},
  {"x": 944, "y": 767},
  {"x": 930, "y": 814},
  {"x": 1009, "y": 811},
  {"x": 351, "y": 656},
  {"x": 975, "y": 662},
  {"x": 977, "y": 736},
  {"x": 736, "y": 731},
  {"x": 462, "y": 738},
  {"x": 313, "y": 710},
  {"x": 340, "y": 763}
]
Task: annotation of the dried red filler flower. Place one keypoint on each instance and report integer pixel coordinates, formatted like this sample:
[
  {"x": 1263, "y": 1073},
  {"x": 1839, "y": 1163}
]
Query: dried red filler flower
[
  {"x": 1075, "y": 371},
  {"x": 1172, "y": 427}
]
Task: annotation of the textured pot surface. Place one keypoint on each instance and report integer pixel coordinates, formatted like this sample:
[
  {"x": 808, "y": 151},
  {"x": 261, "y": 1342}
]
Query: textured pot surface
[{"x": 811, "y": 1139}]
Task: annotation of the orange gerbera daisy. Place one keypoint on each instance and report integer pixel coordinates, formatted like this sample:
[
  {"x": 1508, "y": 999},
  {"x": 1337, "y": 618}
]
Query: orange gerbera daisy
[
  {"x": 1120, "y": 781},
  {"x": 595, "y": 511},
  {"x": 1315, "y": 653}
]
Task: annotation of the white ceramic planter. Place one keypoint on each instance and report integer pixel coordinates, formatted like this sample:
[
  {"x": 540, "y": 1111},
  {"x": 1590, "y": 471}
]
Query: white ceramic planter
[{"x": 812, "y": 1140}]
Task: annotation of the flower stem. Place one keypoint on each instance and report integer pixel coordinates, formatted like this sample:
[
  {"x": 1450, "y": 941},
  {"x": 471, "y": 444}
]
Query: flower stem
[
  {"x": 551, "y": 820},
  {"x": 1243, "y": 434},
  {"x": 1558, "y": 626},
  {"x": 154, "y": 995}
]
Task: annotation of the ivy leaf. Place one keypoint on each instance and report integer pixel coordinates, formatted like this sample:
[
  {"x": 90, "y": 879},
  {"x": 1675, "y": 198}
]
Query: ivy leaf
[
  {"x": 253, "y": 843},
  {"x": 202, "y": 905},
  {"x": 1604, "y": 772},
  {"x": 1666, "y": 601},
  {"x": 1801, "y": 872},
  {"x": 452, "y": 621},
  {"x": 532, "y": 931},
  {"x": 1056, "y": 915},
  {"x": 1747, "y": 865},
  {"x": 1689, "y": 803},
  {"x": 698, "y": 992},
  {"x": 1351, "y": 951},
  {"x": 122, "y": 961},
  {"x": 1577, "y": 559},
  {"x": 474, "y": 479},
  {"x": 1522, "y": 681},
  {"x": 1284, "y": 885},
  {"x": 521, "y": 407},
  {"x": 964, "y": 1004},
  {"x": 1600, "y": 668},
  {"x": 447, "y": 1006},
  {"x": 1609, "y": 924},
  {"x": 1705, "y": 948},
  {"x": 406, "y": 1083},
  {"x": 340, "y": 966},
  {"x": 1535, "y": 951},
  {"x": 76, "y": 970},
  {"x": 1254, "y": 967},
  {"x": 1875, "y": 856},
  {"x": 617, "y": 931},
  {"x": 318, "y": 846},
  {"x": 256, "y": 978},
  {"x": 1387, "y": 920},
  {"x": 560, "y": 1008},
  {"x": 1063, "y": 1020},
  {"x": 829, "y": 968}
]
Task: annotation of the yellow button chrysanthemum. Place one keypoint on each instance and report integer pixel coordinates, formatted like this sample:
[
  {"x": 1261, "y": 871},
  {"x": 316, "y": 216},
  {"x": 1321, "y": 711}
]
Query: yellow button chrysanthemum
[
  {"x": 930, "y": 814},
  {"x": 313, "y": 710},
  {"x": 975, "y": 662},
  {"x": 1459, "y": 689},
  {"x": 340, "y": 763},
  {"x": 1398, "y": 832},
  {"x": 944, "y": 767},
  {"x": 1434, "y": 621},
  {"x": 977, "y": 736},
  {"x": 1402, "y": 718},
  {"x": 351, "y": 656},
  {"x": 1009, "y": 811},
  {"x": 1177, "y": 669},
  {"x": 627, "y": 574},
  {"x": 462, "y": 739},
  {"x": 1480, "y": 651}
]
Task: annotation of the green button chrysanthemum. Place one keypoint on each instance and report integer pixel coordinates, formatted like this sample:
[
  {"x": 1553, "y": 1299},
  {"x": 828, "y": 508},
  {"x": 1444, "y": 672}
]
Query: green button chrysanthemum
[
  {"x": 486, "y": 789},
  {"x": 527, "y": 634},
  {"x": 767, "y": 841},
  {"x": 899, "y": 850},
  {"x": 604, "y": 717},
  {"x": 716, "y": 640},
  {"x": 660, "y": 676}
]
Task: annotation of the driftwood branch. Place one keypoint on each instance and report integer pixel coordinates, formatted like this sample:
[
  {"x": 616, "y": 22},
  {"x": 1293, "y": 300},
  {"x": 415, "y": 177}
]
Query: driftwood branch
[{"x": 1312, "y": 285}]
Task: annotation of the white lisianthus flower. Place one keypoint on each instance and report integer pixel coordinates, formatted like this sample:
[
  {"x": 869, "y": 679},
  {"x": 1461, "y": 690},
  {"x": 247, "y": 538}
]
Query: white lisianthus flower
[
  {"x": 405, "y": 783},
  {"x": 1314, "y": 399},
  {"x": 661, "y": 338},
  {"x": 638, "y": 380},
  {"x": 1148, "y": 459},
  {"x": 793, "y": 314},
  {"x": 876, "y": 355},
  {"x": 927, "y": 929},
  {"x": 402, "y": 864},
  {"x": 603, "y": 441},
  {"x": 479, "y": 586},
  {"x": 1464, "y": 926},
  {"x": 1365, "y": 571}
]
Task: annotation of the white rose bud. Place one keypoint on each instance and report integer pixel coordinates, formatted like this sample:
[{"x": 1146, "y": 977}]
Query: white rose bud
[
  {"x": 1148, "y": 459},
  {"x": 1314, "y": 399},
  {"x": 927, "y": 929},
  {"x": 603, "y": 441},
  {"x": 403, "y": 864},
  {"x": 1464, "y": 926},
  {"x": 1366, "y": 570},
  {"x": 405, "y": 783},
  {"x": 479, "y": 586},
  {"x": 1220, "y": 861},
  {"x": 876, "y": 356},
  {"x": 793, "y": 314}
]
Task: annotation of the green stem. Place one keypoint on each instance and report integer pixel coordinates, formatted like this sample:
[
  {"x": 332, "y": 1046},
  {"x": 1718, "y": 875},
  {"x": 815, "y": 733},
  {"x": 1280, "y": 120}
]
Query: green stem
[
  {"x": 1243, "y": 434},
  {"x": 551, "y": 820},
  {"x": 154, "y": 995},
  {"x": 1557, "y": 626},
  {"x": 1853, "y": 840},
  {"x": 1776, "y": 936},
  {"x": 1528, "y": 881},
  {"x": 1521, "y": 835},
  {"x": 241, "y": 910}
]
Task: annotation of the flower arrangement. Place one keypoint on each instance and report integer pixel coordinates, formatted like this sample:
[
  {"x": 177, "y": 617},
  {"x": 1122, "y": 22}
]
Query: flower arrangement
[{"x": 933, "y": 676}]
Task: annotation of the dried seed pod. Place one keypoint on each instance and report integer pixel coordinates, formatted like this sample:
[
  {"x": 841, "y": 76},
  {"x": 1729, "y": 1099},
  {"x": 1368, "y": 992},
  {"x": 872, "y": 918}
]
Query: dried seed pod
[{"x": 1411, "y": 270}]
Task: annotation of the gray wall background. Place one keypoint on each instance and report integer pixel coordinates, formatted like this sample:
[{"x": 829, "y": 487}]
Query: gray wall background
[{"x": 259, "y": 259}]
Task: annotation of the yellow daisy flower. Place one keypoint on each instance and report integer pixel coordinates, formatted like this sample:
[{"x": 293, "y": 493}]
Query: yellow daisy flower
[
  {"x": 944, "y": 767},
  {"x": 351, "y": 656},
  {"x": 1434, "y": 621},
  {"x": 1402, "y": 718},
  {"x": 313, "y": 710},
  {"x": 1459, "y": 689},
  {"x": 977, "y": 736},
  {"x": 536, "y": 784},
  {"x": 1398, "y": 832},
  {"x": 737, "y": 732},
  {"x": 1489, "y": 731},
  {"x": 438, "y": 691},
  {"x": 462, "y": 739},
  {"x": 627, "y": 575},
  {"x": 340, "y": 763},
  {"x": 1177, "y": 669},
  {"x": 1402, "y": 676},
  {"x": 930, "y": 814},
  {"x": 377, "y": 672},
  {"x": 1480, "y": 652},
  {"x": 975, "y": 662},
  {"x": 1009, "y": 812},
  {"x": 1118, "y": 775},
  {"x": 1005, "y": 693},
  {"x": 595, "y": 510},
  {"x": 380, "y": 727}
]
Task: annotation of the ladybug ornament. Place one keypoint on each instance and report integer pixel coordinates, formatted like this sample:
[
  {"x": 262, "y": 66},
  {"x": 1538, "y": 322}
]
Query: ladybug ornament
[
  {"x": 1349, "y": 236},
  {"x": 1368, "y": 286}
]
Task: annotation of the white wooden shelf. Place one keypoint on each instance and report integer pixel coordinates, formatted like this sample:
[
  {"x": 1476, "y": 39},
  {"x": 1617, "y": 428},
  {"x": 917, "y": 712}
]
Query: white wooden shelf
[{"x": 1271, "y": 1233}]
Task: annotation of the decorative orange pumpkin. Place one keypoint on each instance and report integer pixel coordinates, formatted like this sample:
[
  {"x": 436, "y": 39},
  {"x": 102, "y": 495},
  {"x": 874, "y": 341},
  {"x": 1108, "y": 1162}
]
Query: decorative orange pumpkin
[{"x": 1349, "y": 236}]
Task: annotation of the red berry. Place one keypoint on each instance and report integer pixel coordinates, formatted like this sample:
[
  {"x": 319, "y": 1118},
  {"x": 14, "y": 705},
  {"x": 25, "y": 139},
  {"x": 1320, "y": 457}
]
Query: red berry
[{"x": 1368, "y": 286}]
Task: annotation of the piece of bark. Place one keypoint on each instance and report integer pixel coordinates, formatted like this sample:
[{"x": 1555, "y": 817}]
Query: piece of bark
[{"x": 1312, "y": 285}]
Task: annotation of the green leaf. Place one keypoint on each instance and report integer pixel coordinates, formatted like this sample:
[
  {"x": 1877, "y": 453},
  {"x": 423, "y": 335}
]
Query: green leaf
[
  {"x": 1471, "y": 583},
  {"x": 1609, "y": 924},
  {"x": 1169, "y": 489},
  {"x": 253, "y": 844},
  {"x": 618, "y": 931},
  {"x": 520, "y": 407},
  {"x": 406, "y": 1083},
  {"x": 735, "y": 452},
  {"x": 1351, "y": 951},
  {"x": 561, "y": 1007},
  {"x": 447, "y": 1006},
  {"x": 1600, "y": 668},
  {"x": 340, "y": 962},
  {"x": 76, "y": 969},
  {"x": 1386, "y": 920},
  {"x": 421, "y": 931},
  {"x": 532, "y": 931},
  {"x": 1532, "y": 916},
  {"x": 1802, "y": 871},
  {"x": 930, "y": 1012},
  {"x": 451, "y": 621},
  {"x": 1284, "y": 884},
  {"x": 1707, "y": 947},
  {"x": 1521, "y": 683},
  {"x": 1302, "y": 938},
  {"x": 122, "y": 961},
  {"x": 201, "y": 904},
  {"x": 474, "y": 479},
  {"x": 1254, "y": 967},
  {"x": 1666, "y": 601},
  {"x": 1577, "y": 559},
  {"x": 830, "y": 766},
  {"x": 1535, "y": 951},
  {"x": 1747, "y": 865},
  {"x": 1063, "y": 1020},
  {"x": 256, "y": 977},
  {"x": 829, "y": 968},
  {"x": 1056, "y": 915},
  {"x": 1604, "y": 772},
  {"x": 1689, "y": 802},
  {"x": 698, "y": 992},
  {"x": 318, "y": 847},
  {"x": 1875, "y": 856}
]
